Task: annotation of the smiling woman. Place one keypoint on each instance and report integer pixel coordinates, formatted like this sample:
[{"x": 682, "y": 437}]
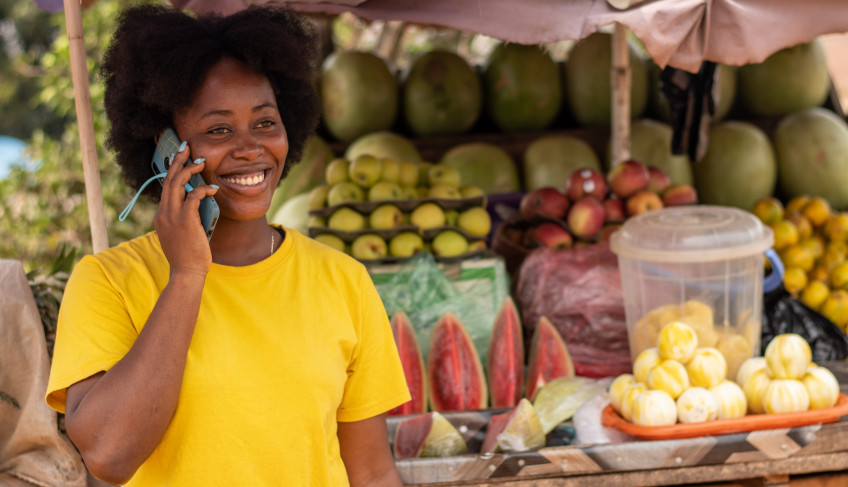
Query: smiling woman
[{"x": 259, "y": 357}]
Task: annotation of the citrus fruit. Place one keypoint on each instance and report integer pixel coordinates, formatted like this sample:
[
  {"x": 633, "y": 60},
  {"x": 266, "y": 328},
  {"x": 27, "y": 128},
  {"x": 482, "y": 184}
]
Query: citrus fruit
[
  {"x": 787, "y": 356},
  {"x": 805, "y": 228},
  {"x": 797, "y": 203},
  {"x": 769, "y": 210},
  {"x": 815, "y": 294},
  {"x": 835, "y": 308},
  {"x": 785, "y": 234},
  {"x": 817, "y": 210},
  {"x": 794, "y": 280},
  {"x": 669, "y": 376},
  {"x": 677, "y": 341},
  {"x": 797, "y": 256}
]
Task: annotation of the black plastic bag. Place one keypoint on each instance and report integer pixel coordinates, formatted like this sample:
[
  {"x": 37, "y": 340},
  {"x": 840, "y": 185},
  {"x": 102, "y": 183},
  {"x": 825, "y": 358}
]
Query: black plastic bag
[{"x": 782, "y": 313}]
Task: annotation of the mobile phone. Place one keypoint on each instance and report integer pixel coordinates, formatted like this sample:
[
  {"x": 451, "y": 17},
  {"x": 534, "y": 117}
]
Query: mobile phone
[{"x": 168, "y": 144}]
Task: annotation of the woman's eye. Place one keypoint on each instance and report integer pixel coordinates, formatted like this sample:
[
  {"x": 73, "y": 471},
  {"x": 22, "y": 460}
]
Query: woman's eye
[
  {"x": 219, "y": 131},
  {"x": 266, "y": 123}
]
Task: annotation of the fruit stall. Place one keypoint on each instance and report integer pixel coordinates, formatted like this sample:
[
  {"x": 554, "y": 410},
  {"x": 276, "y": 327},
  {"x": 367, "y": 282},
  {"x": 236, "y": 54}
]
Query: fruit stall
[{"x": 576, "y": 303}]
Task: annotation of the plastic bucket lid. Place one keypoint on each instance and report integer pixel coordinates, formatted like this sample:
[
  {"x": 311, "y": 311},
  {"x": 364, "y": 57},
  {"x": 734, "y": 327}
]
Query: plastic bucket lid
[{"x": 698, "y": 233}]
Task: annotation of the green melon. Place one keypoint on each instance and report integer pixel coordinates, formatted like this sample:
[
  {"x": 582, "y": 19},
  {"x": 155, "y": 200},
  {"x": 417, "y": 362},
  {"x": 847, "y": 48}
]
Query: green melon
[
  {"x": 384, "y": 144},
  {"x": 738, "y": 168},
  {"x": 441, "y": 94},
  {"x": 549, "y": 160},
  {"x": 484, "y": 165},
  {"x": 359, "y": 94},
  {"x": 587, "y": 81},
  {"x": 650, "y": 144},
  {"x": 294, "y": 213},
  {"x": 523, "y": 87},
  {"x": 306, "y": 174},
  {"x": 812, "y": 155},
  {"x": 789, "y": 80}
]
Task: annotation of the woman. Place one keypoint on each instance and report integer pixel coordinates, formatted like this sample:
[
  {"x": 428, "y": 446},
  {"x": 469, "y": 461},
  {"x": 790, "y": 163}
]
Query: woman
[{"x": 259, "y": 357}]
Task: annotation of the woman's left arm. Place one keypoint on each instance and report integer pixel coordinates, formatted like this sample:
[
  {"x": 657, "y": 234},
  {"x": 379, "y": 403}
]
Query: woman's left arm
[{"x": 365, "y": 451}]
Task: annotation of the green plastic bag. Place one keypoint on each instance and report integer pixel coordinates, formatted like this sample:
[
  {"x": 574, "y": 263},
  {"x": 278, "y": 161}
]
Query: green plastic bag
[{"x": 473, "y": 290}]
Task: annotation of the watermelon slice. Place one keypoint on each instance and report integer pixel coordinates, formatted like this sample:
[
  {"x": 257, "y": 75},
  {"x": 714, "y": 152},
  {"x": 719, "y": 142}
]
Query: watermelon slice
[
  {"x": 427, "y": 435},
  {"x": 505, "y": 364},
  {"x": 549, "y": 357},
  {"x": 514, "y": 431},
  {"x": 413, "y": 365},
  {"x": 454, "y": 372}
]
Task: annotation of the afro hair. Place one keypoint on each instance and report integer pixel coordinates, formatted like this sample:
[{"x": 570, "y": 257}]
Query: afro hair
[{"x": 158, "y": 59}]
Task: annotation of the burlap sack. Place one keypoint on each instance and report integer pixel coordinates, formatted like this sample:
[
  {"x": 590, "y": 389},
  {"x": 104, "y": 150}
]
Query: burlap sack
[{"x": 32, "y": 451}]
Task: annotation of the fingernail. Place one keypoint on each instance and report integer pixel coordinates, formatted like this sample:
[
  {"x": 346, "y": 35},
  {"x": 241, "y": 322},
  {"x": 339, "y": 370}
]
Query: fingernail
[
  {"x": 172, "y": 156},
  {"x": 199, "y": 160},
  {"x": 214, "y": 186},
  {"x": 182, "y": 146}
]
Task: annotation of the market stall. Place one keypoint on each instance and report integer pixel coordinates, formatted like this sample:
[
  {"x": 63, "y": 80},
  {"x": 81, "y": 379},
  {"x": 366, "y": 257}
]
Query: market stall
[{"x": 678, "y": 34}]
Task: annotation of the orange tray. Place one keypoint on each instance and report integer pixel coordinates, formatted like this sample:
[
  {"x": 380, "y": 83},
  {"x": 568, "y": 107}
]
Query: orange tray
[{"x": 744, "y": 424}]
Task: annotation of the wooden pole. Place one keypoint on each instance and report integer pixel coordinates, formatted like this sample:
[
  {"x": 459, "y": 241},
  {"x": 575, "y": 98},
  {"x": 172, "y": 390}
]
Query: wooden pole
[
  {"x": 620, "y": 81},
  {"x": 85, "y": 121}
]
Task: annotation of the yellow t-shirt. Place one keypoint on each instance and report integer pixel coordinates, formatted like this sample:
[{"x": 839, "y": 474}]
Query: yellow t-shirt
[{"x": 282, "y": 350}]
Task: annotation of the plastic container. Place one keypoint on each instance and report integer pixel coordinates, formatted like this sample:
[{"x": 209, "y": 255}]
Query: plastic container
[{"x": 702, "y": 265}]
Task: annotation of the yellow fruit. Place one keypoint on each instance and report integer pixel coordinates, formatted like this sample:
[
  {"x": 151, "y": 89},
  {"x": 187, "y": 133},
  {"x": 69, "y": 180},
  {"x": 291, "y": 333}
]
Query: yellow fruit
[
  {"x": 677, "y": 341},
  {"x": 768, "y": 210},
  {"x": 730, "y": 399},
  {"x": 654, "y": 408},
  {"x": 748, "y": 368},
  {"x": 804, "y": 227},
  {"x": 631, "y": 392},
  {"x": 754, "y": 388},
  {"x": 822, "y": 386},
  {"x": 839, "y": 276},
  {"x": 794, "y": 280},
  {"x": 785, "y": 396},
  {"x": 819, "y": 273},
  {"x": 706, "y": 368},
  {"x": 836, "y": 227},
  {"x": 645, "y": 361},
  {"x": 831, "y": 258},
  {"x": 617, "y": 388},
  {"x": 797, "y": 256},
  {"x": 696, "y": 405},
  {"x": 815, "y": 294},
  {"x": 814, "y": 244},
  {"x": 669, "y": 376},
  {"x": 835, "y": 308},
  {"x": 817, "y": 210},
  {"x": 838, "y": 247},
  {"x": 787, "y": 356},
  {"x": 785, "y": 234},
  {"x": 797, "y": 203}
]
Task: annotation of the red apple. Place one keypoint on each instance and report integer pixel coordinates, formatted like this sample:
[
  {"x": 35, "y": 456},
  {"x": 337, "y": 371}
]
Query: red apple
[
  {"x": 679, "y": 194},
  {"x": 614, "y": 210},
  {"x": 552, "y": 235},
  {"x": 642, "y": 202},
  {"x": 607, "y": 231},
  {"x": 586, "y": 217},
  {"x": 658, "y": 180},
  {"x": 628, "y": 177},
  {"x": 585, "y": 182},
  {"x": 547, "y": 201}
]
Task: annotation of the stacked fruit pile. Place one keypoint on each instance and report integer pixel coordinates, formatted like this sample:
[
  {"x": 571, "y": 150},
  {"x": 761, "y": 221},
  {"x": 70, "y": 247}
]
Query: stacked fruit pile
[
  {"x": 678, "y": 382},
  {"x": 377, "y": 209},
  {"x": 812, "y": 242},
  {"x": 591, "y": 207},
  {"x": 455, "y": 380}
]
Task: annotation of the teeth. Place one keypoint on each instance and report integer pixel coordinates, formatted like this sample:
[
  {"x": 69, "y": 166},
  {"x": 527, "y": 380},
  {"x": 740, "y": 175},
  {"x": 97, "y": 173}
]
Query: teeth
[{"x": 248, "y": 180}]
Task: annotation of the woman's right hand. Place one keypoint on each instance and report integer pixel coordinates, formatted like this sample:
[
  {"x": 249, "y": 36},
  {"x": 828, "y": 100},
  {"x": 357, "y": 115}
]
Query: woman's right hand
[{"x": 177, "y": 222}]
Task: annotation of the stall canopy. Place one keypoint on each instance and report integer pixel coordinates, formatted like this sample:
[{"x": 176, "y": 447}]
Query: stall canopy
[{"x": 679, "y": 33}]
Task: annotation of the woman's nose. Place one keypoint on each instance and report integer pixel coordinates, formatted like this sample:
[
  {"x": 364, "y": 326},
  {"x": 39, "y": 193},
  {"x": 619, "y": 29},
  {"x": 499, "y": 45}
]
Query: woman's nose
[{"x": 247, "y": 147}]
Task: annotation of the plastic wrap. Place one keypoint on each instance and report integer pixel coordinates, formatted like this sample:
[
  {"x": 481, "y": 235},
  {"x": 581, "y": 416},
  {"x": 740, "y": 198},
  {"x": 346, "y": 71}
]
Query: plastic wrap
[
  {"x": 423, "y": 289},
  {"x": 579, "y": 291}
]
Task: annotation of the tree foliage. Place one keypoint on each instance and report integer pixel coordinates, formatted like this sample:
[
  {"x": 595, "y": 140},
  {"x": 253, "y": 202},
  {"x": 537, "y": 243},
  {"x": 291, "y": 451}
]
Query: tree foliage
[{"x": 42, "y": 210}]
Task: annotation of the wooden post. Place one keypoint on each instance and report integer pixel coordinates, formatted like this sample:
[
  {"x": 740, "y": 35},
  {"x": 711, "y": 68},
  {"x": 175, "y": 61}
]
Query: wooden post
[
  {"x": 620, "y": 81},
  {"x": 85, "y": 121}
]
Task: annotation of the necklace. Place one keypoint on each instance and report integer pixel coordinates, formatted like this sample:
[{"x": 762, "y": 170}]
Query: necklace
[{"x": 272, "y": 240}]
